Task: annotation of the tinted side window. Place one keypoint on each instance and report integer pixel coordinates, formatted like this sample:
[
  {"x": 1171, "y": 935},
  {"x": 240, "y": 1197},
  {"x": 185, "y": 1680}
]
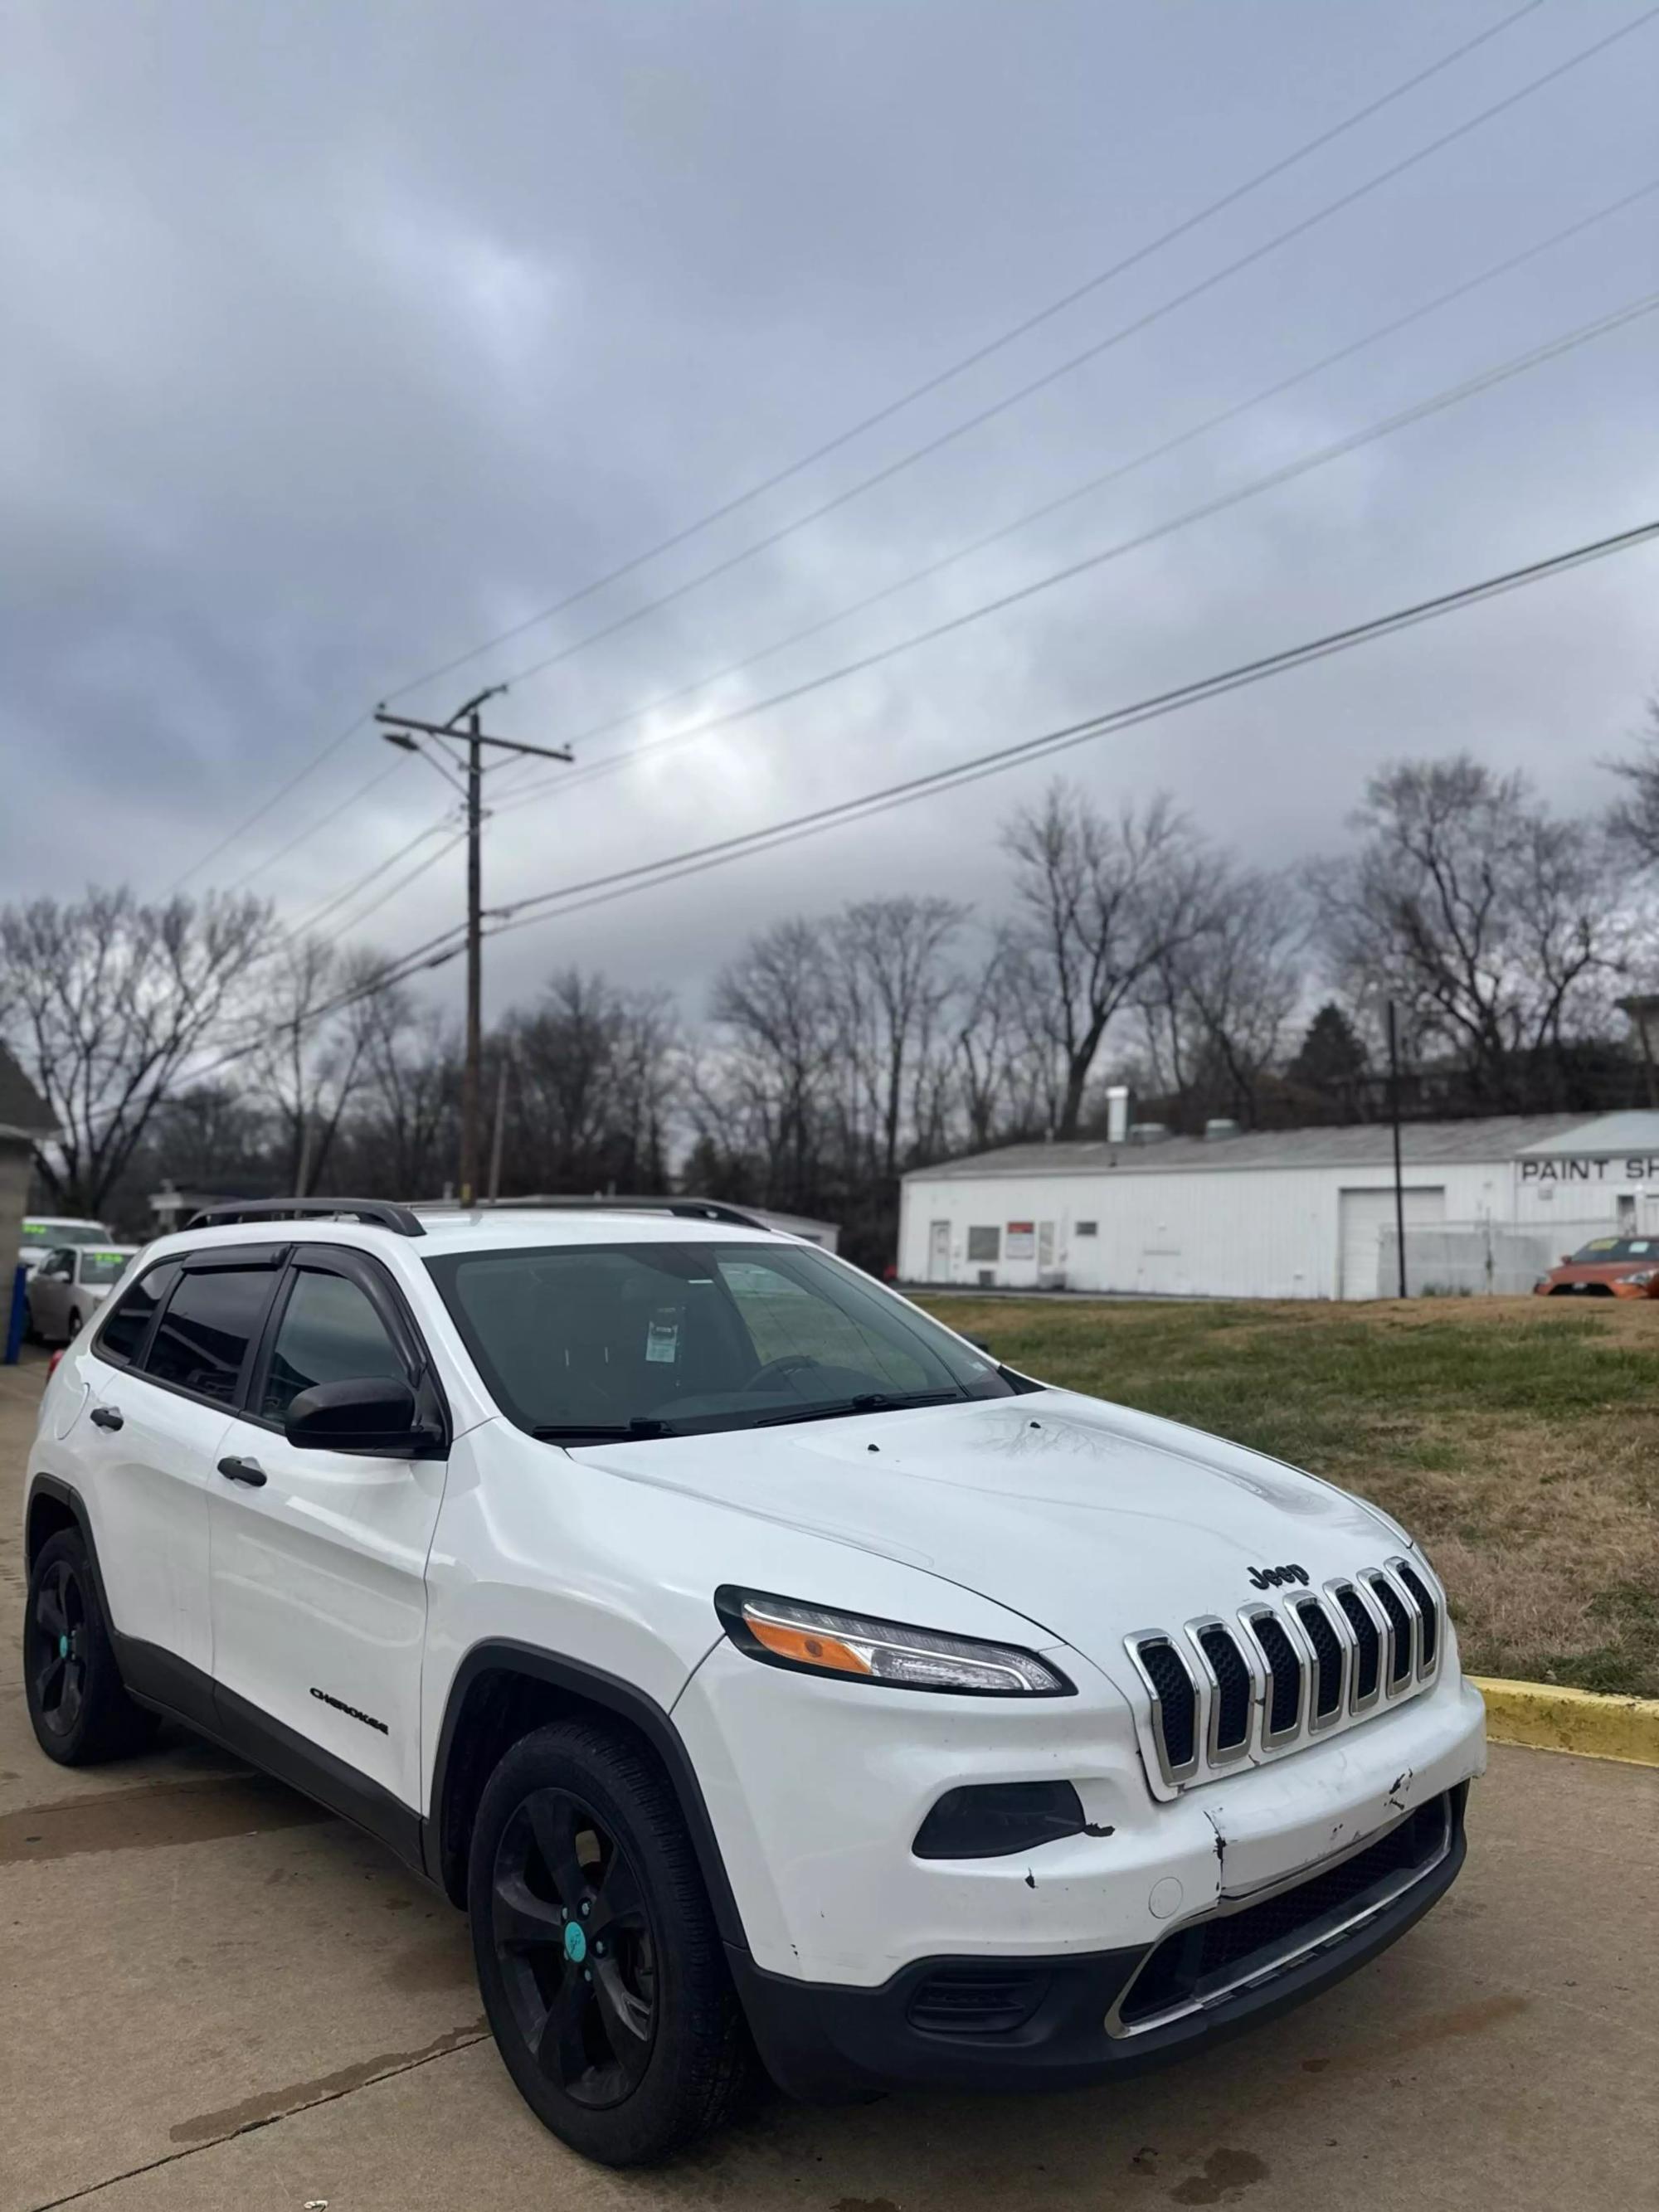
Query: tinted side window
[
  {"x": 203, "y": 1337},
  {"x": 329, "y": 1332},
  {"x": 129, "y": 1324}
]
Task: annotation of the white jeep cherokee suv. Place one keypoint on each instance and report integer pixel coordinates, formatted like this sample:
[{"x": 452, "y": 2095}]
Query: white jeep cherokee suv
[{"x": 754, "y": 1659}]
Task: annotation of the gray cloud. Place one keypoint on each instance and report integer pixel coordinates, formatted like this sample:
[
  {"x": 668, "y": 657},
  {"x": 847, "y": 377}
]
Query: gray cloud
[{"x": 337, "y": 340}]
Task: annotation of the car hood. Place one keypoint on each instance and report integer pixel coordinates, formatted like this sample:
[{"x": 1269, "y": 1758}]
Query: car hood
[
  {"x": 1090, "y": 1519},
  {"x": 1601, "y": 1271}
]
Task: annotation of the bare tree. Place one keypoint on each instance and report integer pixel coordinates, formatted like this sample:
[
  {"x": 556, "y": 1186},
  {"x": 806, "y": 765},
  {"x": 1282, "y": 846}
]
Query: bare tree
[
  {"x": 1005, "y": 1070},
  {"x": 1217, "y": 1003},
  {"x": 890, "y": 983},
  {"x": 591, "y": 1086},
  {"x": 404, "y": 1128},
  {"x": 1103, "y": 902},
  {"x": 107, "y": 1002},
  {"x": 768, "y": 1082},
  {"x": 1492, "y": 923},
  {"x": 1634, "y": 820},
  {"x": 317, "y": 1054}
]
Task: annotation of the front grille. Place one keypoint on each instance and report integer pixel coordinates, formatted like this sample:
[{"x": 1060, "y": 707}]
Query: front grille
[
  {"x": 1232, "y": 1688},
  {"x": 1328, "y": 1658},
  {"x": 1368, "y": 1643},
  {"x": 975, "y": 2001},
  {"x": 1305, "y": 1664},
  {"x": 1399, "y": 1627},
  {"x": 1428, "y": 1618},
  {"x": 1198, "y": 1965},
  {"x": 1284, "y": 1673},
  {"x": 1177, "y": 1700}
]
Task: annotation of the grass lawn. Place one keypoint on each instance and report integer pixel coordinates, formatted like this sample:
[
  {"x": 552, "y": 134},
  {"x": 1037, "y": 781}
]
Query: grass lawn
[{"x": 1518, "y": 1440}]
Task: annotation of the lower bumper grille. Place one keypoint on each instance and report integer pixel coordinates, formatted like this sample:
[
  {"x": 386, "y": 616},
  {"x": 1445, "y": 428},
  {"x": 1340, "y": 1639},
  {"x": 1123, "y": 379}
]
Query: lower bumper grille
[
  {"x": 968, "y": 2000},
  {"x": 1247, "y": 1943}
]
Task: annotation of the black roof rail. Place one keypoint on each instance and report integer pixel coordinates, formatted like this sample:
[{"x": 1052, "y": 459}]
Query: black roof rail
[
  {"x": 686, "y": 1209},
  {"x": 373, "y": 1213}
]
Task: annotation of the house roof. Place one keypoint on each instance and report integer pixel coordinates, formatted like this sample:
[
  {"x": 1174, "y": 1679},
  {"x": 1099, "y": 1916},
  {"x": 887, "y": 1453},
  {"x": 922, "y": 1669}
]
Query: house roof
[
  {"x": 1360, "y": 1144},
  {"x": 23, "y": 1112}
]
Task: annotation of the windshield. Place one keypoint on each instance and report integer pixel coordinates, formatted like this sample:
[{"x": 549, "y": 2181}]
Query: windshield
[
  {"x": 1601, "y": 1249},
  {"x": 64, "y": 1232},
  {"x": 102, "y": 1267},
  {"x": 666, "y": 1340}
]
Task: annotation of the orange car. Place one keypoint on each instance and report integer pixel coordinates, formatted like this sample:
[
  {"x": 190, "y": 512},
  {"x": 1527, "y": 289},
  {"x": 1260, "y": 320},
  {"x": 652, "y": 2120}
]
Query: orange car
[{"x": 1606, "y": 1267}]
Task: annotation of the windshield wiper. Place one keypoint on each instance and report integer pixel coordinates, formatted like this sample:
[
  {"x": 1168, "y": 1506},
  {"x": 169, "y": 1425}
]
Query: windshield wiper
[
  {"x": 868, "y": 1401},
  {"x": 599, "y": 1432}
]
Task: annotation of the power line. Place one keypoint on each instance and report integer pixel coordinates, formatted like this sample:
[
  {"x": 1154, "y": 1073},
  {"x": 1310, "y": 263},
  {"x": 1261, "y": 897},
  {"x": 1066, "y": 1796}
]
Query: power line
[
  {"x": 1489, "y": 275},
  {"x": 436, "y": 951},
  {"x": 596, "y": 891},
  {"x": 1140, "y": 254},
  {"x": 321, "y": 821},
  {"x": 983, "y": 352},
  {"x": 977, "y": 419},
  {"x": 1436, "y": 404},
  {"x": 353, "y": 921},
  {"x": 276, "y": 798}
]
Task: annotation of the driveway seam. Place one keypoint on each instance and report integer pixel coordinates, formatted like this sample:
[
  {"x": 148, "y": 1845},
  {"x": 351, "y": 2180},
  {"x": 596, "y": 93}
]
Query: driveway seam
[{"x": 465, "y": 2041}]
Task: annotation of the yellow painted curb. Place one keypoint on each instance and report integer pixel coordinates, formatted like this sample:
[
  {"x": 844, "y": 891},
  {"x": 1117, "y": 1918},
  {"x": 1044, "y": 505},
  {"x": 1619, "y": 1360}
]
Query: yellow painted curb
[{"x": 1548, "y": 1718}]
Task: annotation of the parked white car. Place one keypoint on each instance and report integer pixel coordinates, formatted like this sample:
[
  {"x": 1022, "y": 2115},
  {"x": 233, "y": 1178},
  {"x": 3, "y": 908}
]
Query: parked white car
[
  {"x": 44, "y": 1232},
  {"x": 755, "y": 1660},
  {"x": 70, "y": 1284}
]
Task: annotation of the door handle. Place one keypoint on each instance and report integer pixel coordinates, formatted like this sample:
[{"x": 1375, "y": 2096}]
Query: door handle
[
  {"x": 106, "y": 1417},
  {"x": 243, "y": 1470}
]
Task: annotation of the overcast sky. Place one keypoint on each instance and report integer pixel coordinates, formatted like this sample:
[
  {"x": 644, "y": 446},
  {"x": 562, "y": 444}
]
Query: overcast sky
[{"x": 339, "y": 339}]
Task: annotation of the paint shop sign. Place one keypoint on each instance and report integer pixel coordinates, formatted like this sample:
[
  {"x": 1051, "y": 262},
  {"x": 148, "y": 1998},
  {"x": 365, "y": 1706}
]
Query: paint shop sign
[{"x": 1633, "y": 1167}]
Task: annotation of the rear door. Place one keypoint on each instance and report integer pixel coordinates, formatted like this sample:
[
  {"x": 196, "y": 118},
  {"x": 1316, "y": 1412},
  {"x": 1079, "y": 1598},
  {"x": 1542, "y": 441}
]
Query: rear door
[
  {"x": 165, "y": 1376},
  {"x": 319, "y": 1557}
]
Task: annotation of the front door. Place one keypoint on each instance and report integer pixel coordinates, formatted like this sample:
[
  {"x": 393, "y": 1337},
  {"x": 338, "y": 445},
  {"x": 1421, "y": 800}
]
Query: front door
[
  {"x": 938, "y": 1252},
  {"x": 319, "y": 1568}
]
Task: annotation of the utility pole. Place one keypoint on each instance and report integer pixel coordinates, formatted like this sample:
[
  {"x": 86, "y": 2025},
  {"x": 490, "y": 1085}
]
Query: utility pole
[
  {"x": 1393, "y": 1116},
  {"x": 401, "y": 730}
]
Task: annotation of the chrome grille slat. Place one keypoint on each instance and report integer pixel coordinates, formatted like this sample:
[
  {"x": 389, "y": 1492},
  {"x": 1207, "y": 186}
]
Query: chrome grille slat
[{"x": 1282, "y": 1674}]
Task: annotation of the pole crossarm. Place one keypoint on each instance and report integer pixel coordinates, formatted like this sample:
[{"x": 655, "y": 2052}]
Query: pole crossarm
[{"x": 445, "y": 730}]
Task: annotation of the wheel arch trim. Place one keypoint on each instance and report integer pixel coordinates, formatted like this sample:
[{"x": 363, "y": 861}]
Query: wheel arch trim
[{"x": 592, "y": 1686}]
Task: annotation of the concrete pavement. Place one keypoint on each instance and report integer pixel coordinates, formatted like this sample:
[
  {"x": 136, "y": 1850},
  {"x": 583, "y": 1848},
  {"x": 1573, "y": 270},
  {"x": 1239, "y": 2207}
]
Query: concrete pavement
[{"x": 213, "y": 1996}]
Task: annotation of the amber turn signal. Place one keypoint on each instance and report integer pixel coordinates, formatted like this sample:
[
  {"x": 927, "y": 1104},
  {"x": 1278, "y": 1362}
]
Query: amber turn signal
[{"x": 802, "y": 1648}]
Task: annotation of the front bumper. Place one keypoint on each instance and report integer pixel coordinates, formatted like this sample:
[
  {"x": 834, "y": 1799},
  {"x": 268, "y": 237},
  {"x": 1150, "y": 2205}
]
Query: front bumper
[{"x": 1059, "y": 2023}]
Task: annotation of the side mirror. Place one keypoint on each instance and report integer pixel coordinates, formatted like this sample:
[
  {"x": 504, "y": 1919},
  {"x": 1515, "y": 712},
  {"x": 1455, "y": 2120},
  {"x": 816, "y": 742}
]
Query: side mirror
[{"x": 371, "y": 1415}]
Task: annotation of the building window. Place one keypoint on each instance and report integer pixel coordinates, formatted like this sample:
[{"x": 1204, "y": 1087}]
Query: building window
[
  {"x": 1086, "y": 1229},
  {"x": 984, "y": 1243}
]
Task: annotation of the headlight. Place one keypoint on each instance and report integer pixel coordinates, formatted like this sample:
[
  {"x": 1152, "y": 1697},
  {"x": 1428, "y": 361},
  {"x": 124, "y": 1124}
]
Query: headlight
[
  {"x": 782, "y": 1633},
  {"x": 1643, "y": 1276}
]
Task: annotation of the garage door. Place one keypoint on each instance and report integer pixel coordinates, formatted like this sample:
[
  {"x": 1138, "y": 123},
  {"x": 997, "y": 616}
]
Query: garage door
[{"x": 1364, "y": 1215}]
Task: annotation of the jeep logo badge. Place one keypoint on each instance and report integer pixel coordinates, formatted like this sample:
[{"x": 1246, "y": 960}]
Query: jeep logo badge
[{"x": 1272, "y": 1577}]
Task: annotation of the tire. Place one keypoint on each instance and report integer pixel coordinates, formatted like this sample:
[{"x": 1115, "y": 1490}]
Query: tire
[
  {"x": 78, "y": 1706},
  {"x": 601, "y": 1971},
  {"x": 74, "y": 1328}
]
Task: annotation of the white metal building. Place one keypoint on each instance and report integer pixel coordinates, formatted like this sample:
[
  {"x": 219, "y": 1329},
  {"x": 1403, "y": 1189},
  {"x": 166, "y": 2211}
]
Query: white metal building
[{"x": 1290, "y": 1213}]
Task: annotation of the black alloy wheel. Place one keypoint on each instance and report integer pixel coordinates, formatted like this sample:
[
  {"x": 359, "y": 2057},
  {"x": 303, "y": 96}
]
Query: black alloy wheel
[
  {"x": 57, "y": 1657},
  {"x": 577, "y": 1952},
  {"x": 603, "y": 1973},
  {"x": 77, "y": 1703}
]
